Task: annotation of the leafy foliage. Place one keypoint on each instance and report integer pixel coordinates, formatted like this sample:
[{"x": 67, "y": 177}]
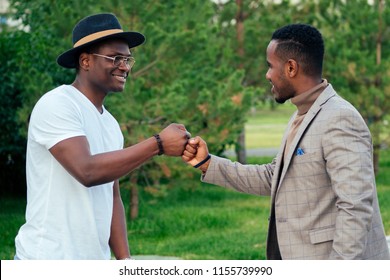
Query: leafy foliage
[
  {"x": 190, "y": 69},
  {"x": 12, "y": 144},
  {"x": 358, "y": 59},
  {"x": 183, "y": 73}
]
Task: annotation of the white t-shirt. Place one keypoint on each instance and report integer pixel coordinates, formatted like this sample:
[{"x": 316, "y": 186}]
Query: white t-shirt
[{"x": 64, "y": 219}]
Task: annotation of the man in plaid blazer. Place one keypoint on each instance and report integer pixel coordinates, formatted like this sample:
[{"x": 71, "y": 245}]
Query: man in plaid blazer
[{"x": 324, "y": 202}]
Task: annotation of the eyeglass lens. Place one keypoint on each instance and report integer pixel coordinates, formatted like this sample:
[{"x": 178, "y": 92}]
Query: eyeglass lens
[{"x": 127, "y": 60}]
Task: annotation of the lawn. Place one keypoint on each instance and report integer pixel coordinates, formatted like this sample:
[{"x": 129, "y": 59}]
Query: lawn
[
  {"x": 200, "y": 221},
  {"x": 207, "y": 222},
  {"x": 265, "y": 128}
]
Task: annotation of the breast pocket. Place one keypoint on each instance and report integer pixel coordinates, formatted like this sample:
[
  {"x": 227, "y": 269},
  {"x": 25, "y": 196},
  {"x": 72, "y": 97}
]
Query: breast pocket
[
  {"x": 308, "y": 163},
  {"x": 307, "y": 157},
  {"x": 311, "y": 166}
]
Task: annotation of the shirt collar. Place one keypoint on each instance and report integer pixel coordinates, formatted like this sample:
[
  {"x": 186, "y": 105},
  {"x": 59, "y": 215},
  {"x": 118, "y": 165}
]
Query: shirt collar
[{"x": 306, "y": 99}]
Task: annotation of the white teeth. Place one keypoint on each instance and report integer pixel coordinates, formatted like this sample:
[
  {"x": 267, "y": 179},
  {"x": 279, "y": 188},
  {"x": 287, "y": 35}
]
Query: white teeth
[{"x": 121, "y": 78}]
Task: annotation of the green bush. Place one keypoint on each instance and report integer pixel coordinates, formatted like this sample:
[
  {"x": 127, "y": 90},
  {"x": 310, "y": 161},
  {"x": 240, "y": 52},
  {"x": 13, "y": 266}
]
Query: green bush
[{"x": 12, "y": 144}]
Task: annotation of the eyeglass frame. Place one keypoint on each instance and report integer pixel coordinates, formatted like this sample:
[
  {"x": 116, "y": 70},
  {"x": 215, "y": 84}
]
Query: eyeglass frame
[{"x": 129, "y": 61}]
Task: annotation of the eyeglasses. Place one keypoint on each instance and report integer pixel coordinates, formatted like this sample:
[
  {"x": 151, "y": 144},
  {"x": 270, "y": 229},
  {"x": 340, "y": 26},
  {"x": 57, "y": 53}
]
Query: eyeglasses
[{"x": 119, "y": 59}]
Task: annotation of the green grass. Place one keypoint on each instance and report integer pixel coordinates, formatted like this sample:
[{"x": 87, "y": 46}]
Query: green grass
[
  {"x": 205, "y": 223},
  {"x": 265, "y": 128},
  {"x": 383, "y": 188},
  {"x": 11, "y": 218}
]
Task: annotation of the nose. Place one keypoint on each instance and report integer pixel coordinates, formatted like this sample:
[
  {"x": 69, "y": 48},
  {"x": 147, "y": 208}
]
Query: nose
[
  {"x": 124, "y": 66},
  {"x": 268, "y": 76}
]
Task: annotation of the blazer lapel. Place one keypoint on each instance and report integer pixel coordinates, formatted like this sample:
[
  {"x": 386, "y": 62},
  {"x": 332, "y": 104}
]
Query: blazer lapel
[
  {"x": 279, "y": 158},
  {"x": 313, "y": 111}
]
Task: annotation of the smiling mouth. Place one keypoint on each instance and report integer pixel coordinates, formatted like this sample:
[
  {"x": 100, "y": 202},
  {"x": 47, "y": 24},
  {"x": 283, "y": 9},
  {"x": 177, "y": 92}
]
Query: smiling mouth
[{"x": 121, "y": 78}]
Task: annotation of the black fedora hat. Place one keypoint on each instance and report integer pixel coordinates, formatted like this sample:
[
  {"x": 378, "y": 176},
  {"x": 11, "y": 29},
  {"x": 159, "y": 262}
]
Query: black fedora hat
[{"x": 93, "y": 29}]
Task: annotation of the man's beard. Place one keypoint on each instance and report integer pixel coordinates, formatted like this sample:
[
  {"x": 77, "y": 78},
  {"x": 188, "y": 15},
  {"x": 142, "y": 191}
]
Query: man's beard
[{"x": 281, "y": 100}]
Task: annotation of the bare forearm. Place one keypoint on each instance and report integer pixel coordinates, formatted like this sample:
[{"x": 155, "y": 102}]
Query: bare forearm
[
  {"x": 118, "y": 238},
  {"x": 89, "y": 169},
  {"x": 106, "y": 167}
]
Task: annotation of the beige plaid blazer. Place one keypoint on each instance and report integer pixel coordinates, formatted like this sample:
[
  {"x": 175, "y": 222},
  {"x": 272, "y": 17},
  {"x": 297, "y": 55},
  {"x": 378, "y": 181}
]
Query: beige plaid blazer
[{"x": 325, "y": 199}]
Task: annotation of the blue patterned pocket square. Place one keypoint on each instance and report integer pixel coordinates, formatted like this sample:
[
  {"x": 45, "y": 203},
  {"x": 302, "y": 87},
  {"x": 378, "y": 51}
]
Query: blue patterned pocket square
[{"x": 300, "y": 152}]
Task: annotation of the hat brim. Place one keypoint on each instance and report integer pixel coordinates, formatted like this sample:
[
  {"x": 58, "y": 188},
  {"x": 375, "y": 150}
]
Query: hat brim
[{"x": 69, "y": 58}]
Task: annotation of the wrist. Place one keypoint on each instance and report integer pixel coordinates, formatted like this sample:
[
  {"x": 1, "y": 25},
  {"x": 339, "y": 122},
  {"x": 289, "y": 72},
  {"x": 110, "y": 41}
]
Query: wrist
[
  {"x": 159, "y": 144},
  {"x": 204, "y": 164},
  {"x": 204, "y": 167}
]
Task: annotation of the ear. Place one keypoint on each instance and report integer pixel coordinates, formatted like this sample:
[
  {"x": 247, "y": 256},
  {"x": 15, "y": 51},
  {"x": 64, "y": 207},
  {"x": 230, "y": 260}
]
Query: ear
[
  {"x": 291, "y": 68},
  {"x": 84, "y": 61}
]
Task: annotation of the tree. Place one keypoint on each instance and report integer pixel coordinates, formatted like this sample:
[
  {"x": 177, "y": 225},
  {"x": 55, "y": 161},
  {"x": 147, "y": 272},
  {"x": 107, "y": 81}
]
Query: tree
[
  {"x": 187, "y": 77},
  {"x": 198, "y": 65},
  {"x": 12, "y": 144},
  {"x": 358, "y": 59},
  {"x": 28, "y": 57},
  {"x": 183, "y": 74}
]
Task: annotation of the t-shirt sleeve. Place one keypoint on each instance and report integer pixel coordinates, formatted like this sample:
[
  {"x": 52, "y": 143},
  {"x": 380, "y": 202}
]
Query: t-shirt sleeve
[{"x": 55, "y": 118}]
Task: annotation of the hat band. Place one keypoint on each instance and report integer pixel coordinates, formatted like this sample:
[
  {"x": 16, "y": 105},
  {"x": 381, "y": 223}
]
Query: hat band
[{"x": 95, "y": 36}]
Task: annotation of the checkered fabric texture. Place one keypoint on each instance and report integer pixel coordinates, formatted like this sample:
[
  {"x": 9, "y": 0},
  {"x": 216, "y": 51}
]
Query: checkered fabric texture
[{"x": 324, "y": 197}]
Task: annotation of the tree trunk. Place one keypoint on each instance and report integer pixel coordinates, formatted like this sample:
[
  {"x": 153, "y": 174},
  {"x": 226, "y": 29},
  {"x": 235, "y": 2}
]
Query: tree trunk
[
  {"x": 134, "y": 202},
  {"x": 376, "y": 158},
  {"x": 378, "y": 84},
  {"x": 240, "y": 146}
]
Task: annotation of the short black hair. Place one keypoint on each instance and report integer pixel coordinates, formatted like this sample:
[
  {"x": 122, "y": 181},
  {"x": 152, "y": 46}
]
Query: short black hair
[{"x": 302, "y": 43}]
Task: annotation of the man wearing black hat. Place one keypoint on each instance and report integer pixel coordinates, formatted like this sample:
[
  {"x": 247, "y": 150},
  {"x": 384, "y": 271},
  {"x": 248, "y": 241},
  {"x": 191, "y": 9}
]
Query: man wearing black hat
[{"x": 75, "y": 153}]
